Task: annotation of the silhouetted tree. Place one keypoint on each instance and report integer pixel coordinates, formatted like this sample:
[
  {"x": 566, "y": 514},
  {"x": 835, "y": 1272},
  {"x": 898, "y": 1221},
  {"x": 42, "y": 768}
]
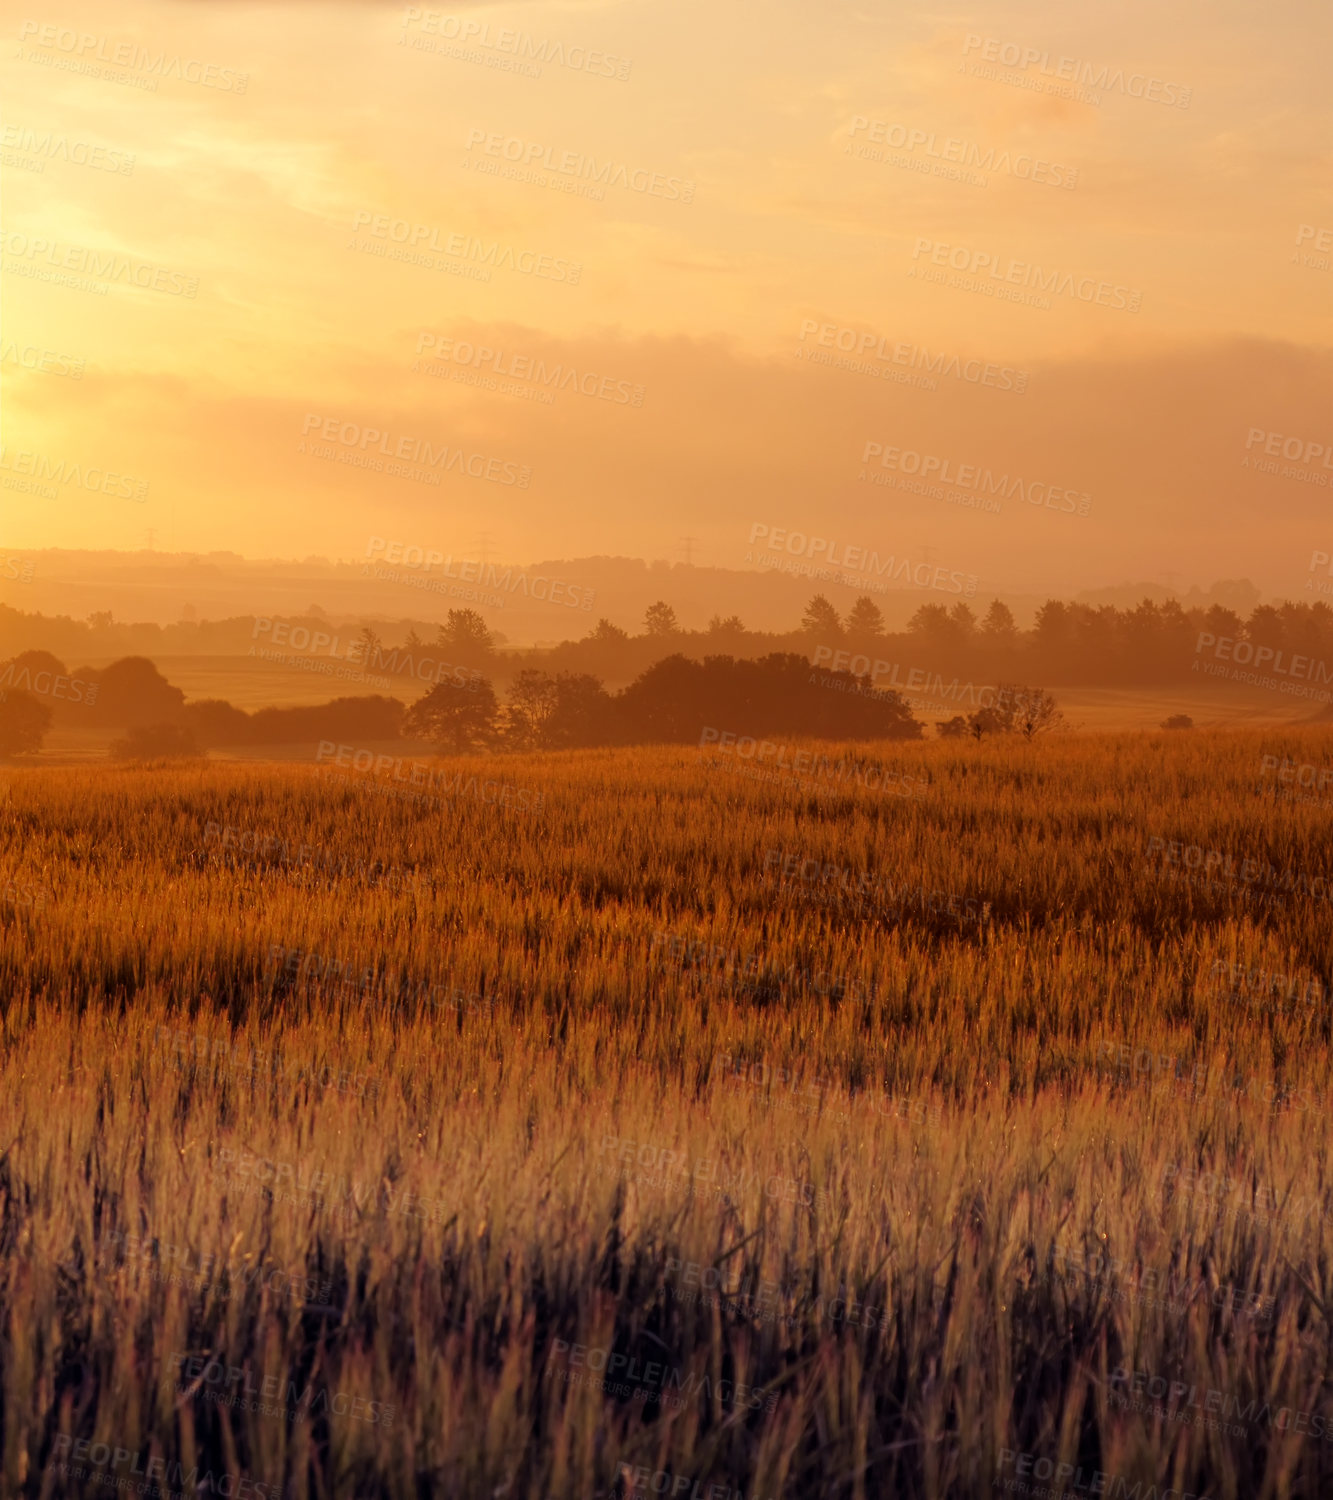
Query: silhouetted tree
[
  {"x": 964, "y": 621},
  {"x": 820, "y": 621},
  {"x": 865, "y": 623},
  {"x": 455, "y": 717},
  {"x": 729, "y": 630},
  {"x": 1026, "y": 710},
  {"x": 998, "y": 625},
  {"x": 984, "y": 721},
  {"x": 932, "y": 623},
  {"x": 533, "y": 697},
  {"x": 132, "y": 692},
  {"x": 24, "y": 721},
  {"x": 660, "y": 619},
  {"x": 607, "y": 633},
  {"x": 677, "y": 699},
  {"x": 466, "y": 638},
  {"x": 1051, "y": 629},
  {"x": 367, "y": 647},
  {"x": 585, "y": 713}
]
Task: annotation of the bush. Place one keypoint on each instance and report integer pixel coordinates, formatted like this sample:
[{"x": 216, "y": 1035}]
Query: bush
[
  {"x": 156, "y": 742},
  {"x": 1178, "y": 721},
  {"x": 213, "y": 721}
]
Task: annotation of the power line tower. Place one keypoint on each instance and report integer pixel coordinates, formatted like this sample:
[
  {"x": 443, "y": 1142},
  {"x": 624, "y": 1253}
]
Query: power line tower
[
  {"x": 483, "y": 542},
  {"x": 688, "y": 544},
  {"x": 150, "y": 535}
]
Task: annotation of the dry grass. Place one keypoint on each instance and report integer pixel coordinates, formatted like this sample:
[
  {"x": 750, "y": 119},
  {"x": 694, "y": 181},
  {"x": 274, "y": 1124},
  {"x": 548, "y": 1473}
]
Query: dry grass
[{"x": 946, "y": 1119}]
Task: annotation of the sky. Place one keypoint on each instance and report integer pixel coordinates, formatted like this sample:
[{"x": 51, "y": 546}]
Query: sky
[{"x": 561, "y": 279}]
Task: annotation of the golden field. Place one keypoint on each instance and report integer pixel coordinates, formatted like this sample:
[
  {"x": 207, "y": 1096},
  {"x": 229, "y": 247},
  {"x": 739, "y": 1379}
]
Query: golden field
[{"x": 669, "y": 1130}]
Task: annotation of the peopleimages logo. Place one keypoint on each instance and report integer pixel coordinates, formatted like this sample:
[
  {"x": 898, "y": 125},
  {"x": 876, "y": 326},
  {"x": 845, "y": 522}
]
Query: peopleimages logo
[
  {"x": 46, "y": 361},
  {"x": 857, "y": 559},
  {"x": 510, "y": 365},
  {"x": 943, "y": 470},
  {"x": 101, "y": 265},
  {"x": 69, "y": 1456},
  {"x": 876, "y": 354},
  {"x": 520, "y": 44},
  {"x": 370, "y": 443},
  {"x": 1073, "y": 70},
  {"x": 579, "y": 164},
  {"x": 40, "y": 468},
  {"x": 83, "y": 47},
  {"x": 1273, "y": 658},
  {"x": 41, "y": 143},
  {"x": 1066, "y": 1479},
  {"x": 1007, "y": 270},
  {"x": 540, "y": 586},
  {"x": 415, "y": 239},
  {"x": 967, "y": 154}
]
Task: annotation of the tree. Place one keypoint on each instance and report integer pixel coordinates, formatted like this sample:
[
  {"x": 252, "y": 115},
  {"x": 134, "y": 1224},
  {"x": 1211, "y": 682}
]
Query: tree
[
  {"x": 1026, "y": 710},
  {"x": 1178, "y": 721},
  {"x": 865, "y": 622},
  {"x": 660, "y": 620},
  {"x": 821, "y": 620},
  {"x": 24, "y": 721},
  {"x": 1223, "y": 623},
  {"x": 998, "y": 623},
  {"x": 561, "y": 712},
  {"x": 731, "y": 627},
  {"x": 585, "y": 713},
  {"x": 1266, "y": 627},
  {"x": 932, "y": 622},
  {"x": 952, "y": 729},
  {"x": 132, "y": 692},
  {"x": 607, "y": 634},
  {"x": 414, "y": 642},
  {"x": 369, "y": 644},
  {"x": 533, "y": 699},
  {"x": 467, "y": 635},
  {"x": 963, "y": 620},
  {"x": 1051, "y": 626},
  {"x": 984, "y": 721},
  {"x": 453, "y": 716}
]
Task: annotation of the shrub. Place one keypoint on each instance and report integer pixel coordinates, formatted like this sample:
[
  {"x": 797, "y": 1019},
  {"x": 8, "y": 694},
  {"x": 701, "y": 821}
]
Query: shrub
[{"x": 155, "y": 742}]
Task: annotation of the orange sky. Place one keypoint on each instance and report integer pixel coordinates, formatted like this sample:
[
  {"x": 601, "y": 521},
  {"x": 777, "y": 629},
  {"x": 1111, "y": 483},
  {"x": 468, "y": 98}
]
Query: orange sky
[{"x": 281, "y": 154}]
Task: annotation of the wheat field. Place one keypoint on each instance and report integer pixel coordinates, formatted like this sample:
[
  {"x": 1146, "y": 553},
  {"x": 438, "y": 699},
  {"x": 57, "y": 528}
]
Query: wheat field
[{"x": 671, "y": 1129}]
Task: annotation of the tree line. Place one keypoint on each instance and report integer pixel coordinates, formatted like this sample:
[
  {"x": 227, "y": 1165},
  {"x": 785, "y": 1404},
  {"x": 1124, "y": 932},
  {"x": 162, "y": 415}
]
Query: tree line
[
  {"x": 673, "y": 701},
  {"x": 1067, "y": 643}
]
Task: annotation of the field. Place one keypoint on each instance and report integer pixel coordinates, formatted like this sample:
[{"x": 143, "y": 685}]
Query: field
[{"x": 621, "y": 1123}]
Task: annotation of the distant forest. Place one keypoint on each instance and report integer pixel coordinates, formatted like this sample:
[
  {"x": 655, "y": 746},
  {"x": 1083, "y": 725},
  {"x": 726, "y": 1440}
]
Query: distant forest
[
  {"x": 831, "y": 677},
  {"x": 1068, "y": 644}
]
